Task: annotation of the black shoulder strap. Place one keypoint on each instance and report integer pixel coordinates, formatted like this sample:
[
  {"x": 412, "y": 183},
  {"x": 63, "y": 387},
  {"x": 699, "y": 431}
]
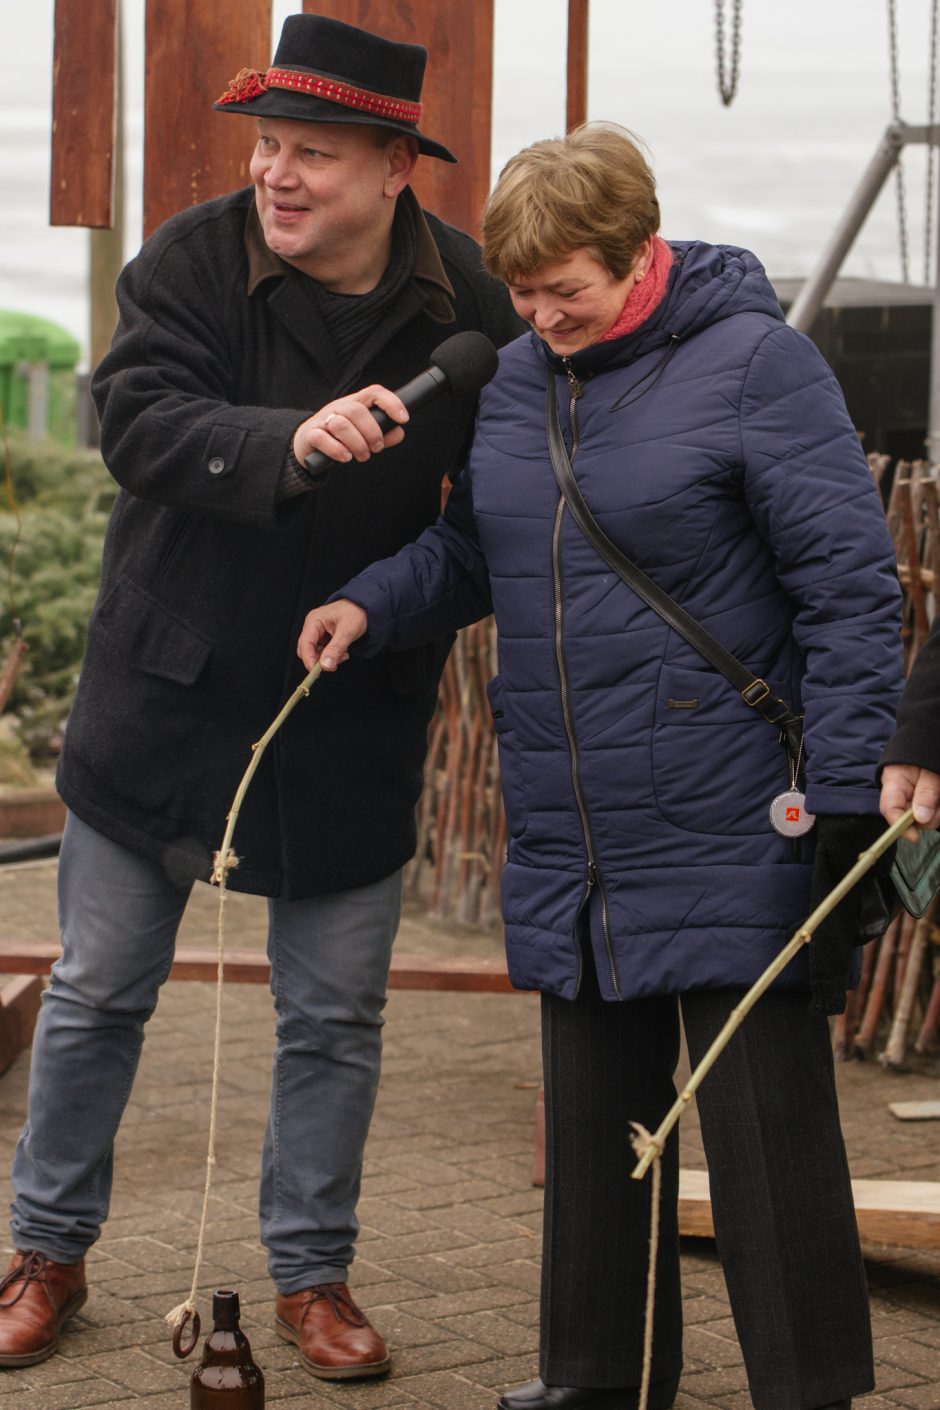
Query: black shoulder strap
[{"x": 754, "y": 691}]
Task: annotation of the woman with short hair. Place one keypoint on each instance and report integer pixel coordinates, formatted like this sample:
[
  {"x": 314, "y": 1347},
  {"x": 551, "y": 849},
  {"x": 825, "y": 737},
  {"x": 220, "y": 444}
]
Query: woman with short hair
[{"x": 644, "y": 872}]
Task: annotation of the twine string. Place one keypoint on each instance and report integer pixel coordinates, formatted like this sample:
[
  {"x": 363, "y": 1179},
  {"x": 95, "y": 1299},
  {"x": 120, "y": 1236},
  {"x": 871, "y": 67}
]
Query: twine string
[
  {"x": 178, "y": 1315},
  {"x": 225, "y": 861},
  {"x": 642, "y": 1140}
]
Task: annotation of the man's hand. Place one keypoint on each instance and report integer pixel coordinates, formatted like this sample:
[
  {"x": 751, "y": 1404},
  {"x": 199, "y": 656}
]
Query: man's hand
[
  {"x": 346, "y": 430},
  {"x": 904, "y": 786},
  {"x": 331, "y": 629}
]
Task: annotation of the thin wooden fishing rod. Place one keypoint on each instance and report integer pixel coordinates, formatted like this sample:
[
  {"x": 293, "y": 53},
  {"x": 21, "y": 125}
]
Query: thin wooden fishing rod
[
  {"x": 224, "y": 857},
  {"x": 802, "y": 937}
]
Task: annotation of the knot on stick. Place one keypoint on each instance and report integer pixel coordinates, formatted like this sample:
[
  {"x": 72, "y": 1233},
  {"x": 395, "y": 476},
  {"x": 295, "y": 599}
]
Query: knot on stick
[
  {"x": 643, "y": 1140},
  {"x": 223, "y": 862}
]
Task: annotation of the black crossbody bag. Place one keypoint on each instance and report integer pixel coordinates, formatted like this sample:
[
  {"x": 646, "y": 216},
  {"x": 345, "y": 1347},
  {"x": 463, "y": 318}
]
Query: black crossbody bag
[
  {"x": 915, "y": 873},
  {"x": 754, "y": 690}
]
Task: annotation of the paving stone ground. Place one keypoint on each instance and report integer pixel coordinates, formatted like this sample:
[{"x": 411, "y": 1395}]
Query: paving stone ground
[{"x": 448, "y": 1262}]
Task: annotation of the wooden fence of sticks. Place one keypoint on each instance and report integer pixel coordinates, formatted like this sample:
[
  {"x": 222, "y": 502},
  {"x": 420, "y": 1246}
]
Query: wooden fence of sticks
[
  {"x": 899, "y": 991},
  {"x": 462, "y": 828}
]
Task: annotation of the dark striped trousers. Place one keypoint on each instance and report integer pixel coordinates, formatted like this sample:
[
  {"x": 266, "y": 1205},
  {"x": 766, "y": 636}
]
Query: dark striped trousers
[{"x": 781, "y": 1197}]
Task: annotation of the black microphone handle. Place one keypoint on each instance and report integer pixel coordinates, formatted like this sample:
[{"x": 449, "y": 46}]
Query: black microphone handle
[{"x": 426, "y": 387}]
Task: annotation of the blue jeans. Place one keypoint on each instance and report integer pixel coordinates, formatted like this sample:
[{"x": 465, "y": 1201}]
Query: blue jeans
[{"x": 330, "y": 957}]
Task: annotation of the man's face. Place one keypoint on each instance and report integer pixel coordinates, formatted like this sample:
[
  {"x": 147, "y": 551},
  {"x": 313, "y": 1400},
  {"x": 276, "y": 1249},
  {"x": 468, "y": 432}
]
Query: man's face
[{"x": 323, "y": 190}]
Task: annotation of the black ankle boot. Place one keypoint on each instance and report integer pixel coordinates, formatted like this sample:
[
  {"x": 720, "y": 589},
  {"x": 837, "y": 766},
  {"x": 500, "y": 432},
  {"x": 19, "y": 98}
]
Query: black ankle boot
[{"x": 538, "y": 1396}]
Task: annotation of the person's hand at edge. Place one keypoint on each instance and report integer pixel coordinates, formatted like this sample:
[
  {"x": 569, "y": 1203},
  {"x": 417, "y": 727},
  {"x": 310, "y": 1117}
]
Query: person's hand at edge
[
  {"x": 906, "y": 785},
  {"x": 329, "y": 631}
]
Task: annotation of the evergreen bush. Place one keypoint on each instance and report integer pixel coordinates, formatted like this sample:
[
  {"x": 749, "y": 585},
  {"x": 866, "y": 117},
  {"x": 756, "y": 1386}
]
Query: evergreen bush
[{"x": 63, "y": 497}]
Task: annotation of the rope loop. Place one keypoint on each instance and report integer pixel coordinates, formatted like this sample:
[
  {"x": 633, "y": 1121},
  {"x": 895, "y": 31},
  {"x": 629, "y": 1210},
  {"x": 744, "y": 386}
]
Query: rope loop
[{"x": 177, "y": 1319}]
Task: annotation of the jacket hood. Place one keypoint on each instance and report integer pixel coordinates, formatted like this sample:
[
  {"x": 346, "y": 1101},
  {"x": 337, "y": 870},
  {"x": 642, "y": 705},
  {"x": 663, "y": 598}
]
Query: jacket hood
[{"x": 707, "y": 283}]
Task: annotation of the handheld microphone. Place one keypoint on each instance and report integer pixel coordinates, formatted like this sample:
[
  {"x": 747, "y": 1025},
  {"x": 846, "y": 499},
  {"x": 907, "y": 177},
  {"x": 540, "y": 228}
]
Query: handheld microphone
[{"x": 461, "y": 365}]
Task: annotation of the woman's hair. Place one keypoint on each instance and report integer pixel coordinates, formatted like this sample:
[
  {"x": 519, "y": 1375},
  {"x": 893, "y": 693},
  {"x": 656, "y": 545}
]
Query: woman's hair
[{"x": 590, "y": 190}]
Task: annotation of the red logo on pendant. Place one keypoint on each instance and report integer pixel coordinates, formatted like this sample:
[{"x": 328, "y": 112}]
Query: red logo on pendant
[{"x": 793, "y": 815}]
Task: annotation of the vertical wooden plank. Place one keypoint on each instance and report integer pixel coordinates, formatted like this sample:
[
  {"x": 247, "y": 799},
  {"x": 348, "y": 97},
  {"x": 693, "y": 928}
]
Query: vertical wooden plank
[
  {"x": 457, "y": 94},
  {"x": 106, "y": 252},
  {"x": 191, "y": 152},
  {"x": 577, "y": 69},
  {"x": 83, "y": 113}
]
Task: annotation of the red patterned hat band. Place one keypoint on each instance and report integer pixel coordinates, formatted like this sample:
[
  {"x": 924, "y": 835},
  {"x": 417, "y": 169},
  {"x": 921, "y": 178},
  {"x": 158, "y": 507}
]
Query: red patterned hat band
[{"x": 250, "y": 84}]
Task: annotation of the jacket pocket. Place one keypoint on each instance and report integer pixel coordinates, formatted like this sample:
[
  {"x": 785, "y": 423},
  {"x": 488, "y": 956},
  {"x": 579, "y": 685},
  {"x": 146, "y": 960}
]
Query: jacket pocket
[
  {"x": 717, "y": 764},
  {"x": 510, "y": 762},
  {"x": 149, "y": 636}
]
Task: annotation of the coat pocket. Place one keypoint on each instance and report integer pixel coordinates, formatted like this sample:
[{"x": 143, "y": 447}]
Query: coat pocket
[
  {"x": 510, "y": 762},
  {"x": 717, "y": 764},
  {"x": 150, "y": 637}
]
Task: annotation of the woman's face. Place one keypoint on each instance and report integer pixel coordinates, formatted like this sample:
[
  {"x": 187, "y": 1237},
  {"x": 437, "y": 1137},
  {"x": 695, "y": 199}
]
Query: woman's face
[{"x": 572, "y": 301}]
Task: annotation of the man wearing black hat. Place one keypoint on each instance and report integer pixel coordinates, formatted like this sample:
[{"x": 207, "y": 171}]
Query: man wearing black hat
[{"x": 254, "y": 329}]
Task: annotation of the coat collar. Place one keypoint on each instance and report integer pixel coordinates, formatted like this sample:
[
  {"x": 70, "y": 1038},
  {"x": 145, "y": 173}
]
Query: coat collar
[{"x": 429, "y": 271}]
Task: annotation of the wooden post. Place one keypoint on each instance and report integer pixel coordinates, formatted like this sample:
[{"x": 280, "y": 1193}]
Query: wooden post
[
  {"x": 84, "y": 106},
  {"x": 577, "y": 70},
  {"x": 192, "y": 152},
  {"x": 457, "y": 93},
  {"x": 106, "y": 250}
]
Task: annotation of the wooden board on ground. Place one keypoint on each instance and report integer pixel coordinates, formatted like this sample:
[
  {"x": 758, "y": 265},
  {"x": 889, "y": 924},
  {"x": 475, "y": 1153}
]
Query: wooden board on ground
[
  {"x": 901, "y": 1212},
  {"x": 455, "y": 973},
  {"x": 915, "y": 1111}
]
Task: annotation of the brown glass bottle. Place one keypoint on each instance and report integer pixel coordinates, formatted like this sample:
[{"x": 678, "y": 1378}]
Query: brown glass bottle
[{"x": 227, "y": 1377}]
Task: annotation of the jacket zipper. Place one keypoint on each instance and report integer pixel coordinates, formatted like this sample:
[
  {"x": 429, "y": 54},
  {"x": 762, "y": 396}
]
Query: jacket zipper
[{"x": 593, "y": 876}]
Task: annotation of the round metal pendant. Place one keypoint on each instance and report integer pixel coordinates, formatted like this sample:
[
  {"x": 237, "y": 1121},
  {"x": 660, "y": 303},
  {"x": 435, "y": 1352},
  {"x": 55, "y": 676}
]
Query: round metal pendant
[{"x": 788, "y": 814}]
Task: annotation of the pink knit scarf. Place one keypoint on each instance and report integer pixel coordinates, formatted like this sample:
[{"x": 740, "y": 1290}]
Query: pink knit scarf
[{"x": 647, "y": 293}]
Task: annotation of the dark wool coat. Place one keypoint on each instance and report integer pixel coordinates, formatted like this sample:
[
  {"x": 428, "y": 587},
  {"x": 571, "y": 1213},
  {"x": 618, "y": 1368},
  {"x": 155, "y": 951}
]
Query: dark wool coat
[
  {"x": 205, "y": 581},
  {"x": 714, "y": 447},
  {"x": 917, "y": 737}
]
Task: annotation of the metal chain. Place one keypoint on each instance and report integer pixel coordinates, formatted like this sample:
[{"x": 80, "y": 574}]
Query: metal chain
[
  {"x": 728, "y": 88},
  {"x": 896, "y": 115},
  {"x": 932, "y": 118}
]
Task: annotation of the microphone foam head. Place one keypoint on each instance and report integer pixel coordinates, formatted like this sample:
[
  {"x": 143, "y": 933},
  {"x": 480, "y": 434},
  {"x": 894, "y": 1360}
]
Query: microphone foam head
[{"x": 467, "y": 360}]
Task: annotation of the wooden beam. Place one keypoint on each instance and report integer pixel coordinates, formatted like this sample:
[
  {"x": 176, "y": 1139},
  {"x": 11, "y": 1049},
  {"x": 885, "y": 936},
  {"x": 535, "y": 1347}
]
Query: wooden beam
[
  {"x": 192, "y": 152},
  {"x": 84, "y": 107},
  {"x": 31, "y": 812},
  {"x": 901, "y": 1212},
  {"x": 456, "y": 974},
  {"x": 915, "y": 1111},
  {"x": 576, "y": 93},
  {"x": 457, "y": 94}
]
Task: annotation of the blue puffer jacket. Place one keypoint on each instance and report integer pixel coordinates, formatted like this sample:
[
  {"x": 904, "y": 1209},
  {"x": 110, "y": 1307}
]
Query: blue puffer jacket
[{"x": 714, "y": 447}]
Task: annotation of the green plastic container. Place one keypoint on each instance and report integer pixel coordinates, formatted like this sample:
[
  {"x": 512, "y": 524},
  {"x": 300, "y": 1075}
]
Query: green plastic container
[{"x": 37, "y": 375}]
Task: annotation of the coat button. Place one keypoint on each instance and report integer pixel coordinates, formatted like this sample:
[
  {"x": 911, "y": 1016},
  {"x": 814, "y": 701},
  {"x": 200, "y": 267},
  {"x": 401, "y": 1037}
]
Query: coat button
[{"x": 216, "y": 465}]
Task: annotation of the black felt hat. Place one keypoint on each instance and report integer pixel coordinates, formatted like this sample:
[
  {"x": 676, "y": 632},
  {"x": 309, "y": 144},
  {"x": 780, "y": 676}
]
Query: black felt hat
[{"x": 328, "y": 71}]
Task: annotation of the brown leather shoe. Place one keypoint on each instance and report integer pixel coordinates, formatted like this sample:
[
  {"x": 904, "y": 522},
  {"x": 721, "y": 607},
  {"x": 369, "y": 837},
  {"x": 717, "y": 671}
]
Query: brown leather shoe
[
  {"x": 37, "y": 1297},
  {"x": 335, "y": 1338}
]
